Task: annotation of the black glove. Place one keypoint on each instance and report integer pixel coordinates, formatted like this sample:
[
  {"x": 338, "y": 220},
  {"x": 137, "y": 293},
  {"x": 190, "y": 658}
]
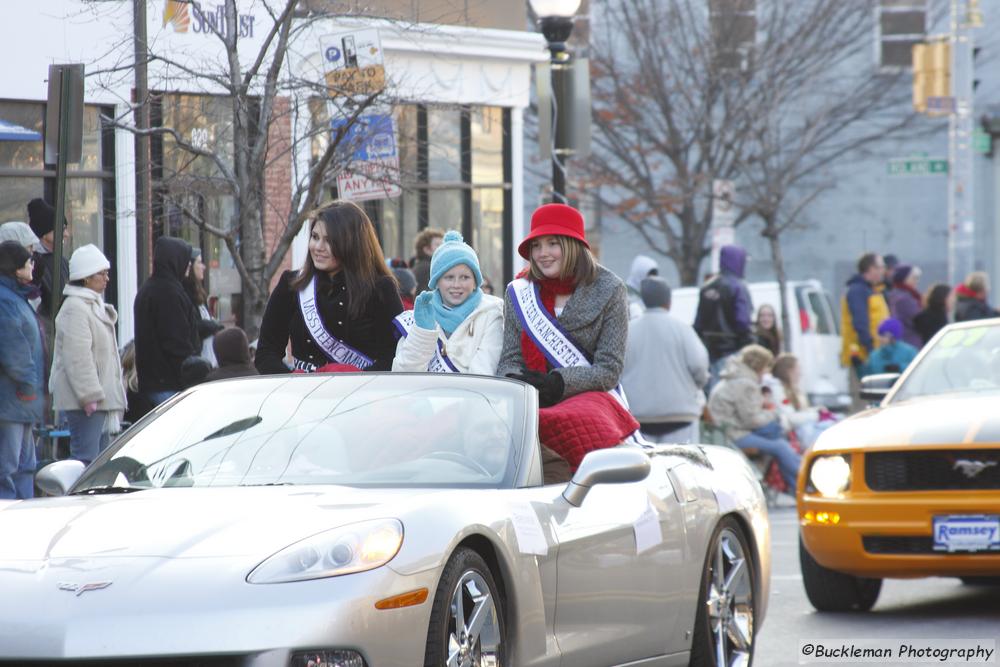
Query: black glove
[
  {"x": 550, "y": 385},
  {"x": 208, "y": 328}
]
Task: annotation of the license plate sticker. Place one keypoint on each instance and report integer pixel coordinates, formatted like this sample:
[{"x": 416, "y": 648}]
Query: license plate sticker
[{"x": 967, "y": 533}]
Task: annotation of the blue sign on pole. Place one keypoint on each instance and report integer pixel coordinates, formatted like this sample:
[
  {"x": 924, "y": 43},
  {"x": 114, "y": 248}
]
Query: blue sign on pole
[{"x": 369, "y": 137}]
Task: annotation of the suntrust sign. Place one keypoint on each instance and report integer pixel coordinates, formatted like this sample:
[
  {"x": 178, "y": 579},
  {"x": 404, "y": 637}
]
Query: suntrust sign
[{"x": 183, "y": 16}]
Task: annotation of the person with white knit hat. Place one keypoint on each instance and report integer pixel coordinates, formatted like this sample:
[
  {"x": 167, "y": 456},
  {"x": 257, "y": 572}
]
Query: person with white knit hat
[
  {"x": 86, "y": 379},
  {"x": 454, "y": 327},
  {"x": 20, "y": 232}
]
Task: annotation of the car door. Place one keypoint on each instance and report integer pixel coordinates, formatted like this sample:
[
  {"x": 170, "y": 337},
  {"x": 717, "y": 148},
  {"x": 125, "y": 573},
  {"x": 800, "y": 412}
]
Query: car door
[
  {"x": 614, "y": 605},
  {"x": 824, "y": 378}
]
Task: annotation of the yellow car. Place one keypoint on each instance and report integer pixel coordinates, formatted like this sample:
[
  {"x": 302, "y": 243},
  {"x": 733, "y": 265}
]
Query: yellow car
[{"x": 910, "y": 488}]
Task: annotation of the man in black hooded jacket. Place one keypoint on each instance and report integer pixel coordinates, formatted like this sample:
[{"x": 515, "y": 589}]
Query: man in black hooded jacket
[{"x": 166, "y": 322}]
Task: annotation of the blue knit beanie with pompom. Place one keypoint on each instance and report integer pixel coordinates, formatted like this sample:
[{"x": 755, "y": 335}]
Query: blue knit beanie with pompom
[{"x": 452, "y": 252}]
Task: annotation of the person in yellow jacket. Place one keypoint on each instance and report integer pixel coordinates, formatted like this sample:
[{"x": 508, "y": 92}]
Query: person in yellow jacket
[{"x": 863, "y": 309}]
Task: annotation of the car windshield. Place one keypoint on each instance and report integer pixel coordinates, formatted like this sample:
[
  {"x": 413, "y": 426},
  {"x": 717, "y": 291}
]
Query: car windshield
[
  {"x": 962, "y": 360},
  {"x": 356, "y": 430}
]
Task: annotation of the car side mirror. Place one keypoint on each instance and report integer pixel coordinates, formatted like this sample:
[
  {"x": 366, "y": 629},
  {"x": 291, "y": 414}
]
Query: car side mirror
[
  {"x": 59, "y": 477},
  {"x": 619, "y": 465},
  {"x": 875, "y": 387}
]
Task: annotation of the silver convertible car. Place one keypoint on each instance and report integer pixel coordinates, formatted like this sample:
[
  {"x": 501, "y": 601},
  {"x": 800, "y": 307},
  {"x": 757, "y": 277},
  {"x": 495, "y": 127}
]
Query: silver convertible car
[{"x": 380, "y": 520}]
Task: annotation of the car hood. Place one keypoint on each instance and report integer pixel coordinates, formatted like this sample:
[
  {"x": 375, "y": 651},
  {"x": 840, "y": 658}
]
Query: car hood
[
  {"x": 961, "y": 419},
  {"x": 187, "y": 523}
]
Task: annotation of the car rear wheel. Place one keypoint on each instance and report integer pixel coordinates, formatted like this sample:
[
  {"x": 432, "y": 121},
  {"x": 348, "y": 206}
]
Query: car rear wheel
[
  {"x": 467, "y": 626},
  {"x": 724, "y": 624},
  {"x": 829, "y": 590}
]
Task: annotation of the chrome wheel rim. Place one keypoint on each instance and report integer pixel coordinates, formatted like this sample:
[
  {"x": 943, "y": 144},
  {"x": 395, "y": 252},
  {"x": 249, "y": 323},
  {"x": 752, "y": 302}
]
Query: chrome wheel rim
[
  {"x": 730, "y": 602},
  {"x": 473, "y": 624}
]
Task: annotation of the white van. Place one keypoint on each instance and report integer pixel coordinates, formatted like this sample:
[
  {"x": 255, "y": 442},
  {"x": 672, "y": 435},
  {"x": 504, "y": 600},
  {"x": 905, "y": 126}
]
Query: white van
[{"x": 814, "y": 338}]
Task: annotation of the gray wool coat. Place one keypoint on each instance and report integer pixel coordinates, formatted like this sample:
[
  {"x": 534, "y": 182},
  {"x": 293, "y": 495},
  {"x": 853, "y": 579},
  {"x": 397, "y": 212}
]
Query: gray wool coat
[{"x": 596, "y": 318}]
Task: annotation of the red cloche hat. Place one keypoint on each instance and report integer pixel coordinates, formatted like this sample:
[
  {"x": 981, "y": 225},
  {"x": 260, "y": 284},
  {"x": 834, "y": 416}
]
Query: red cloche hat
[{"x": 553, "y": 220}]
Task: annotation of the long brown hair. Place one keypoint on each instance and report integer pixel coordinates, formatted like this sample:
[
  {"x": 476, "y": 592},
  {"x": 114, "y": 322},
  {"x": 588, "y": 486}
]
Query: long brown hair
[
  {"x": 782, "y": 370},
  {"x": 353, "y": 242},
  {"x": 770, "y": 338},
  {"x": 578, "y": 263}
]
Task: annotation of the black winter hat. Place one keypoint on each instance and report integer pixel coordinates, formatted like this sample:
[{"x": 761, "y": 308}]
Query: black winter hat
[
  {"x": 13, "y": 256},
  {"x": 194, "y": 370},
  {"x": 41, "y": 217},
  {"x": 407, "y": 281}
]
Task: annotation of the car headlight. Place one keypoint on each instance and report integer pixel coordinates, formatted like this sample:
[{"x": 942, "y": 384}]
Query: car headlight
[
  {"x": 831, "y": 475},
  {"x": 356, "y": 547}
]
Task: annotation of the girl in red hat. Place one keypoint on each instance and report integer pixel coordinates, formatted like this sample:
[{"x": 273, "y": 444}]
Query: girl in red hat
[{"x": 565, "y": 328}]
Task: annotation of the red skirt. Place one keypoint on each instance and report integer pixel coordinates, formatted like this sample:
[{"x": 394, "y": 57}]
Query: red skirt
[{"x": 583, "y": 423}]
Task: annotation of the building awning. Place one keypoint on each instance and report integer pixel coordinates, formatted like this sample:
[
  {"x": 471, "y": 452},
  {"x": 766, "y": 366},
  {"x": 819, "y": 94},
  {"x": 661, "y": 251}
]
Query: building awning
[{"x": 12, "y": 132}]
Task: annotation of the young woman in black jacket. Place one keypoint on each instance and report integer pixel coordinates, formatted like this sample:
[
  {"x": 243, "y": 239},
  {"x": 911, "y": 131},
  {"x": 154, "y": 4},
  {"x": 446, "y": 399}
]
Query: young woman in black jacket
[{"x": 338, "y": 308}]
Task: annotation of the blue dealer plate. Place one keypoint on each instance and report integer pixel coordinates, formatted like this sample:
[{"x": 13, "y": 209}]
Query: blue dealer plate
[{"x": 980, "y": 532}]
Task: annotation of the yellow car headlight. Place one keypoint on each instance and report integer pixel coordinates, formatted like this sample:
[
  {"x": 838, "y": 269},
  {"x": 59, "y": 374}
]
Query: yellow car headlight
[
  {"x": 831, "y": 475},
  {"x": 352, "y": 548}
]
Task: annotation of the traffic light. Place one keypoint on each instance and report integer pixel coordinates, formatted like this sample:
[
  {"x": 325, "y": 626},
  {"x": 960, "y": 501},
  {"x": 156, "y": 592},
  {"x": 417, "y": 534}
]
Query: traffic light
[
  {"x": 921, "y": 73},
  {"x": 932, "y": 77}
]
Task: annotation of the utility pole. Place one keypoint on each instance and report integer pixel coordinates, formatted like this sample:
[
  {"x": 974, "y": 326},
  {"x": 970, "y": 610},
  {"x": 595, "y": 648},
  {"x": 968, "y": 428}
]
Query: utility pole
[
  {"x": 142, "y": 173},
  {"x": 963, "y": 17}
]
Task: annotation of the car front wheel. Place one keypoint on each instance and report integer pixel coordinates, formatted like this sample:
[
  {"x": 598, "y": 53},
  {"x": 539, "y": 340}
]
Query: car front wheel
[
  {"x": 724, "y": 625},
  {"x": 829, "y": 590},
  {"x": 467, "y": 625}
]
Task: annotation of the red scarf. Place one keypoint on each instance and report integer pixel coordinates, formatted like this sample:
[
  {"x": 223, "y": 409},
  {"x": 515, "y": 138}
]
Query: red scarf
[
  {"x": 534, "y": 360},
  {"x": 962, "y": 290}
]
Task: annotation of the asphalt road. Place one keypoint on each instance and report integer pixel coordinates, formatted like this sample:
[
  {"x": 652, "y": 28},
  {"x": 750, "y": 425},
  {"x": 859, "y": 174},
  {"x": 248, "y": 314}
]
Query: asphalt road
[{"x": 907, "y": 609}]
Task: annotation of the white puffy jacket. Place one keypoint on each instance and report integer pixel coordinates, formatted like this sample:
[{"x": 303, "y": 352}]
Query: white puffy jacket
[{"x": 474, "y": 347}]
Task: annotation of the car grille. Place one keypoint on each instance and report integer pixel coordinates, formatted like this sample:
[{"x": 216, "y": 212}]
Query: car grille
[
  {"x": 933, "y": 470},
  {"x": 187, "y": 661},
  {"x": 895, "y": 544}
]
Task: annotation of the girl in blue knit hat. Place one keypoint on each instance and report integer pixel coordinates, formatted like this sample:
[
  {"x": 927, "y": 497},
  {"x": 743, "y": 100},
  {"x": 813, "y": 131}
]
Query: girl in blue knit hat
[{"x": 454, "y": 327}]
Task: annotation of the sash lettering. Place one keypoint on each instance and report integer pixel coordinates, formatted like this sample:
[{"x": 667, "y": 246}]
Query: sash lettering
[
  {"x": 336, "y": 350},
  {"x": 548, "y": 335}
]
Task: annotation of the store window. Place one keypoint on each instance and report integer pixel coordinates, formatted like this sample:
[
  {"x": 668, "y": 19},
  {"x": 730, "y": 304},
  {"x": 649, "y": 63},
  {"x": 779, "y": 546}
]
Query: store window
[
  {"x": 90, "y": 185},
  {"x": 455, "y": 174},
  {"x": 190, "y": 189}
]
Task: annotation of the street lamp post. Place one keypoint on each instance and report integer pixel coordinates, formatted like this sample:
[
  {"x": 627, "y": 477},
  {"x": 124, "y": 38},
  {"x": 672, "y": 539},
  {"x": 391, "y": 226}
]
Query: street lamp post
[{"x": 555, "y": 18}]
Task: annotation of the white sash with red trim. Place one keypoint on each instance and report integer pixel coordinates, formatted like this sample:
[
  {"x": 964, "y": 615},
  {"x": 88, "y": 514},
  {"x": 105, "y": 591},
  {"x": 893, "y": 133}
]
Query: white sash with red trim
[
  {"x": 439, "y": 363},
  {"x": 335, "y": 349}
]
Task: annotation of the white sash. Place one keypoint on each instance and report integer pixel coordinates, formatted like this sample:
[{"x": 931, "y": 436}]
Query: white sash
[
  {"x": 335, "y": 349},
  {"x": 439, "y": 363},
  {"x": 551, "y": 339}
]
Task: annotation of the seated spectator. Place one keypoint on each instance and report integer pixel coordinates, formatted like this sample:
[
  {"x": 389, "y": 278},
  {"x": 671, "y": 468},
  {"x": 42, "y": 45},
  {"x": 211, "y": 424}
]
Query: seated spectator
[
  {"x": 232, "y": 352},
  {"x": 736, "y": 405},
  {"x": 807, "y": 421},
  {"x": 893, "y": 355},
  {"x": 194, "y": 370}
]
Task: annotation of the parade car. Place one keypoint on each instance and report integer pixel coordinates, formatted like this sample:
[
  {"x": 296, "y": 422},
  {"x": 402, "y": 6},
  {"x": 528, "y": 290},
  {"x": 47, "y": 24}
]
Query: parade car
[
  {"x": 910, "y": 488},
  {"x": 380, "y": 520}
]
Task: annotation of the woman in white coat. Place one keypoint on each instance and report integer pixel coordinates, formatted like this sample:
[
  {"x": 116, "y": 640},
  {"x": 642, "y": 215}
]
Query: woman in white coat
[
  {"x": 454, "y": 327},
  {"x": 86, "y": 379}
]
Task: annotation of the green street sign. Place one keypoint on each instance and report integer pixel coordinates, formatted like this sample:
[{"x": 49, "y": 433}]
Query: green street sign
[
  {"x": 981, "y": 142},
  {"x": 917, "y": 166}
]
